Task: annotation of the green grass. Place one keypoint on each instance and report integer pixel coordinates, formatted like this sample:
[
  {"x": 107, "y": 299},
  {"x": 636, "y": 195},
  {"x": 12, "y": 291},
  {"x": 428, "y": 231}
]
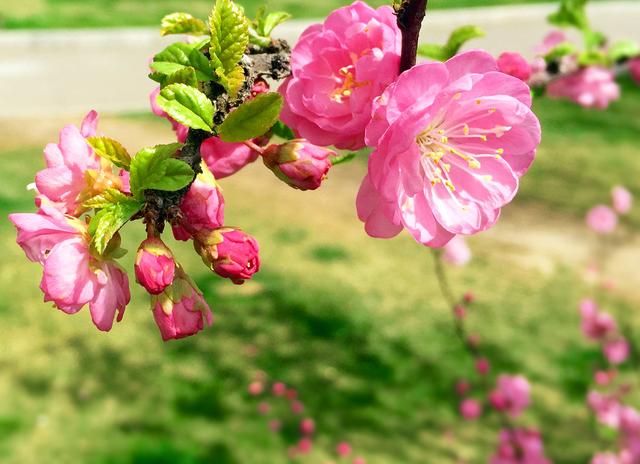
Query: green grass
[
  {"x": 356, "y": 325},
  {"x": 44, "y": 14}
]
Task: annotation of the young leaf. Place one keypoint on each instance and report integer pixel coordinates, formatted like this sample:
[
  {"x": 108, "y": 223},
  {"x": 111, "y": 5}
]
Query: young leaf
[
  {"x": 571, "y": 13},
  {"x": 343, "y": 158},
  {"x": 111, "y": 150},
  {"x": 433, "y": 51},
  {"x": 269, "y": 23},
  {"x": 234, "y": 81},
  {"x": 593, "y": 58},
  {"x": 229, "y": 35},
  {"x": 104, "y": 199},
  {"x": 283, "y": 131},
  {"x": 148, "y": 168},
  {"x": 624, "y": 50},
  {"x": 185, "y": 76},
  {"x": 251, "y": 119},
  {"x": 560, "y": 50},
  {"x": 461, "y": 36},
  {"x": 109, "y": 220},
  {"x": 180, "y": 55},
  {"x": 177, "y": 174},
  {"x": 182, "y": 23},
  {"x": 188, "y": 106}
]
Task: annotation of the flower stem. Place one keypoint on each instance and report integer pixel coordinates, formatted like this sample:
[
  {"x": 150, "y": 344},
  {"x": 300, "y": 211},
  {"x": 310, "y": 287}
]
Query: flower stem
[
  {"x": 254, "y": 147},
  {"x": 410, "y": 15}
]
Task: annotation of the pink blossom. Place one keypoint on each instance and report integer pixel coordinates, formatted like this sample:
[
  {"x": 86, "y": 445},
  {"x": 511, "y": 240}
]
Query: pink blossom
[
  {"x": 359, "y": 460},
  {"x": 154, "y": 266},
  {"x": 181, "y": 130},
  {"x": 634, "y": 69},
  {"x": 72, "y": 276},
  {"x": 181, "y": 311},
  {"x": 470, "y": 409},
  {"x": 462, "y": 387},
  {"x": 460, "y": 312},
  {"x": 451, "y": 141},
  {"x": 337, "y": 69},
  {"x": 275, "y": 425},
  {"x": 307, "y": 426},
  {"x": 291, "y": 394},
  {"x": 595, "y": 325},
  {"x": 519, "y": 446},
  {"x": 225, "y": 159},
  {"x": 279, "y": 389},
  {"x": 264, "y": 408},
  {"x": 604, "y": 378},
  {"x": 457, "y": 252},
  {"x": 482, "y": 366},
  {"x": 551, "y": 40},
  {"x": 304, "y": 445},
  {"x": 297, "y": 407},
  {"x": 343, "y": 449},
  {"x": 622, "y": 199},
  {"x": 602, "y": 219},
  {"x": 255, "y": 388},
  {"x": 607, "y": 408},
  {"x": 299, "y": 163},
  {"x": 630, "y": 420},
  {"x": 230, "y": 252},
  {"x": 514, "y": 64},
  {"x": 202, "y": 207},
  {"x": 512, "y": 394},
  {"x": 469, "y": 297},
  {"x": 616, "y": 351},
  {"x": 590, "y": 87}
]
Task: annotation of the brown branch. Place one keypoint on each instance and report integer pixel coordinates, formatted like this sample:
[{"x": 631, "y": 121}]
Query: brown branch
[{"x": 410, "y": 15}]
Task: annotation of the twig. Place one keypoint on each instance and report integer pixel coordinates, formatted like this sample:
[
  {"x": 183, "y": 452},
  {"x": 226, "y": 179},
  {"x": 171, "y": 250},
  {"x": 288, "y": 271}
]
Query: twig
[{"x": 410, "y": 15}]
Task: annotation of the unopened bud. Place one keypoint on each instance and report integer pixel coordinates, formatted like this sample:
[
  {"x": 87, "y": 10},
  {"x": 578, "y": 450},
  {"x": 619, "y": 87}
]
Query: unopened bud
[
  {"x": 154, "y": 265},
  {"x": 299, "y": 163}
]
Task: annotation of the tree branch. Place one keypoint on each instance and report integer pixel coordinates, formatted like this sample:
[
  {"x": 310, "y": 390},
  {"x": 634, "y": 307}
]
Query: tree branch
[{"x": 410, "y": 15}]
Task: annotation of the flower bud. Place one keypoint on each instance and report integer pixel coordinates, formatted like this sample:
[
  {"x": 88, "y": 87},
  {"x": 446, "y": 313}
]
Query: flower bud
[
  {"x": 154, "y": 266},
  {"x": 514, "y": 64},
  {"x": 180, "y": 310},
  {"x": 470, "y": 409},
  {"x": 634, "y": 69},
  {"x": 299, "y": 163},
  {"x": 622, "y": 199},
  {"x": 229, "y": 252},
  {"x": 602, "y": 219}
]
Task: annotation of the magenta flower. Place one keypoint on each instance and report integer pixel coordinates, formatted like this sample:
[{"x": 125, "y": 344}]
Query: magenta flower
[
  {"x": 512, "y": 394},
  {"x": 595, "y": 325},
  {"x": 181, "y": 130},
  {"x": 230, "y": 253},
  {"x": 622, "y": 199},
  {"x": 307, "y": 426},
  {"x": 590, "y": 87},
  {"x": 343, "y": 449},
  {"x": 514, "y": 64},
  {"x": 225, "y": 159},
  {"x": 180, "y": 311},
  {"x": 602, "y": 219},
  {"x": 634, "y": 69},
  {"x": 202, "y": 207},
  {"x": 482, "y": 366},
  {"x": 299, "y": 163},
  {"x": 337, "y": 69},
  {"x": 154, "y": 266},
  {"x": 451, "y": 141},
  {"x": 470, "y": 409},
  {"x": 304, "y": 445},
  {"x": 72, "y": 276},
  {"x": 279, "y": 389},
  {"x": 457, "y": 252},
  {"x": 616, "y": 351},
  {"x": 519, "y": 446}
]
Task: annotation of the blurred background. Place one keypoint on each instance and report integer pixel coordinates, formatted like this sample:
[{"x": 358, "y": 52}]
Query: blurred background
[{"x": 357, "y": 326}]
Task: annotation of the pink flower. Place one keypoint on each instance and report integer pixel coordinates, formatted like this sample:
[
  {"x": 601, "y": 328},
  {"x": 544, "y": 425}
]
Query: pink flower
[
  {"x": 202, "y": 207},
  {"x": 279, "y": 389},
  {"x": 482, "y": 366},
  {"x": 616, "y": 351},
  {"x": 181, "y": 311},
  {"x": 595, "y": 325},
  {"x": 304, "y": 445},
  {"x": 291, "y": 394},
  {"x": 605, "y": 458},
  {"x": 460, "y": 312},
  {"x": 359, "y": 460},
  {"x": 602, "y": 219},
  {"x": 604, "y": 378},
  {"x": 469, "y": 297},
  {"x": 297, "y": 407},
  {"x": 275, "y": 425},
  {"x": 634, "y": 69},
  {"x": 551, "y": 40},
  {"x": 230, "y": 253},
  {"x": 590, "y": 87},
  {"x": 457, "y": 252},
  {"x": 264, "y": 408},
  {"x": 512, "y": 394},
  {"x": 470, "y": 409},
  {"x": 72, "y": 276},
  {"x": 225, "y": 159},
  {"x": 462, "y": 387},
  {"x": 181, "y": 130},
  {"x": 622, "y": 199},
  {"x": 299, "y": 163},
  {"x": 337, "y": 69},
  {"x": 451, "y": 141},
  {"x": 255, "y": 388},
  {"x": 343, "y": 449},
  {"x": 519, "y": 446},
  {"x": 606, "y": 408},
  {"x": 514, "y": 64},
  {"x": 154, "y": 265},
  {"x": 307, "y": 426}
]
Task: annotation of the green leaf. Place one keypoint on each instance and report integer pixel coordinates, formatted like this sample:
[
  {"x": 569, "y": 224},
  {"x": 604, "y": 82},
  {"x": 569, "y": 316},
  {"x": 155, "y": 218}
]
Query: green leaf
[
  {"x": 182, "y": 23},
  {"x": 593, "y": 39},
  {"x": 560, "y": 50},
  {"x": 104, "y": 199},
  {"x": 256, "y": 39},
  {"x": 148, "y": 168},
  {"x": 461, "y": 36},
  {"x": 177, "y": 174},
  {"x": 109, "y": 220},
  {"x": 283, "y": 131},
  {"x": 185, "y": 76},
  {"x": 267, "y": 24},
  {"x": 571, "y": 13},
  {"x": 623, "y": 50},
  {"x": 229, "y": 35},
  {"x": 343, "y": 158},
  {"x": 111, "y": 150},
  {"x": 180, "y": 55},
  {"x": 433, "y": 51},
  {"x": 593, "y": 58},
  {"x": 251, "y": 119},
  {"x": 188, "y": 106}
]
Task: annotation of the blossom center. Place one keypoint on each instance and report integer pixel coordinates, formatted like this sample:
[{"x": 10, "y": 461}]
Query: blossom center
[{"x": 346, "y": 82}]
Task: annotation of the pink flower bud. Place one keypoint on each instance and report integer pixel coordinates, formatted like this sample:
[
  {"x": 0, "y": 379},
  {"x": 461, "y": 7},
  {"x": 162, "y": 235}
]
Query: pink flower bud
[
  {"x": 482, "y": 366},
  {"x": 229, "y": 252},
  {"x": 299, "y": 163},
  {"x": 512, "y": 394},
  {"x": 602, "y": 219},
  {"x": 264, "y": 408},
  {"x": 275, "y": 425},
  {"x": 343, "y": 449},
  {"x": 604, "y": 378},
  {"x": 462, "y": 387},
  {"x": 470, "y": 409},
  {"x": 255, "y": 388},
  {"x": 304, "y": 445},
  {"x": 307, "y": 426},
  {"x": 259, "y": 86},
  {"x": 279, "y": 389},
  {"x": 616, "y": 351},
  {"x": 180, "y": 310},
  {"x": 291, "y": 394},
  {"x": 460, "y": 312},
  {"x": 474, "y": 340},
  {"x": 154, "y": 265},
  {"x": 515, "y": 65},
  {"x": 622, "y": 199},
  {"x": 469, "y": 297},
  {"x": 359, "y": 460},
  {"x": 297, "y": 407},
  {"x": 634, "y": 69}
]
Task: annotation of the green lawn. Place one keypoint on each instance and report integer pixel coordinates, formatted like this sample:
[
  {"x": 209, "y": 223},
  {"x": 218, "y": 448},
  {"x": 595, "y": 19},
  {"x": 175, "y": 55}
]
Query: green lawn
[
  {"x": 44, "y": 14},
  {"x": 355, "y": 324}
]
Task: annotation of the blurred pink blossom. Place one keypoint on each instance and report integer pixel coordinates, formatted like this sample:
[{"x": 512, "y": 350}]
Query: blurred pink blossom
[
  {"x": 616, "y": 351},
  {"x": 591, "y": 87},
  {"x": 602, "y": 219},
  {"x": 343, "y": 449},
  {"x": 255, "y": 388},
  {"x": 596, "y": 325},
  {"x": 304, "y": 445},
  {"x": 279, "y": 389},
  {"x": 519, "y": 446},
  {"x": 470, "y": 409},
  {"x": 514, "y": 64},
  {"x": 512, "y": 394},
  {"x": 622, "y": 199},
  {"x": 457, "y": 252},
  {"x": 307, "y": 426},
  {"x": 482, "y": 366}
]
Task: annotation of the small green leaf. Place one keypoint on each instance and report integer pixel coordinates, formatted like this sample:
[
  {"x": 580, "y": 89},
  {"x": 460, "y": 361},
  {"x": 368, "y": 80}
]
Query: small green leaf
[
  {"x": 269, "y": 23},
  {"x": 229, "y": 35},
  {"x": 177, "y": 174},
  {"x": 343, "y": 158},
  {"x": 188, "y": 106},
  {"x": 256, "y": 39},
  {"x": 109, "y": 220},
  {"x": 252, "y": 119},
  {"x": 234, "y": 81},
  {"x": 148, "y": 168},
  {"x": 593, "y": 39},
  {"x": 433, "y": 51},
  {"x": 182, "y": 23},
  {"x": 185, "y": 76},
  {"x": 111, "y": 150},
  {"x": 283, "y": 131},
  {"x": 180, "y": 55},
  {"x": 593, "y": 58},
  {"x": 461, "y": 36},
  {"x": 571, "y": 13},
  {"x": 623, "y": 50},
  {"x": 104, "y": 199},
  {"x": 560, "y": 50}
]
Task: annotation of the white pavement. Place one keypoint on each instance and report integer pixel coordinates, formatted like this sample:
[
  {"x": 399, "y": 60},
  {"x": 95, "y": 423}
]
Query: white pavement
[{"x": 67, "y": 72}]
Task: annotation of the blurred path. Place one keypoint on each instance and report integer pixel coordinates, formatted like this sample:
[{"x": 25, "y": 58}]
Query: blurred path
[{"x": 68, "y": 72}]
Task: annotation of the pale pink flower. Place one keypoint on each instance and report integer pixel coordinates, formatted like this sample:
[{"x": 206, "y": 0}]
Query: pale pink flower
[
  {"x": 451, "y": 141},
  {"x": 606, "y": 408},
  {"x": 634, "y": 69},
  {"x": 255, "y": 388},
  {"x": 154, "y": 266},
  {"x": 590, "y": 87},
  {"x": 225, "y": 159},
  {"x": 470, "y": 409},
  {"x": 307, "y": 426},
  {"x": 616, "y": 351},
  {"x": 551, "y": 40},
  {"x": 604, "y": 378},
  {"x": 514, "y": 64},
  {"x": 181, "y": 311},
  {"x": 299, "y": 163},
  {"x": 595, "y": 324},
  {"x": 457, "y": 252},
  {"x": 337, "y": 69},
  {"x": 622, "y": 199},
  {"x": 343, "y": 449},
  {"x": 602, "y": 219},
  {"x": 359, "y": 460},
  {"x": 606, "y": 458},
  {"x": 519, "y": 446},
  {"x": 512, "y": 394},
  {"x": 630, "y": 420},
  {"x": 180, "y": 129}
]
